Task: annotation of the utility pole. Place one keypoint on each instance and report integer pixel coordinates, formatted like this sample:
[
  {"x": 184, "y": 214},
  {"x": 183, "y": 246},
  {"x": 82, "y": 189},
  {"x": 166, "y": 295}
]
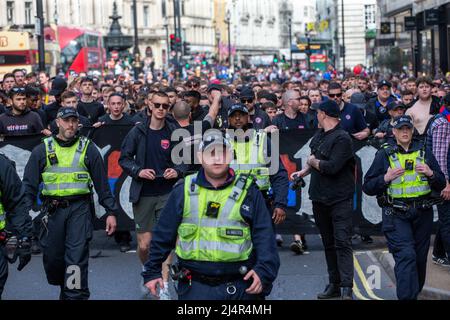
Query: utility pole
[
  {"x": 343, "y": 35},
  {"x": 40, "y": 34},
  {"x": 137, "y": 63},
  {"x": 228, "y": 21},
  {"x": 290, "y": 40}
]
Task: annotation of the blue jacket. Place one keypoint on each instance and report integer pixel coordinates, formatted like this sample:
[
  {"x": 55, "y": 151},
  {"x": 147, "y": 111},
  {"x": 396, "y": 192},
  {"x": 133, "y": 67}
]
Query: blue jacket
[
  {"x": 374, "y": 184},
  {"x": 264, "y": 260}
]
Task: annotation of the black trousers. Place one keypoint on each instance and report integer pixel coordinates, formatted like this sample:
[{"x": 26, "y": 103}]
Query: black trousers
[
  {"x": 335, "y": 225},
  {"x": 65, "y": 245},
  {"x": 3, "y": 268}
]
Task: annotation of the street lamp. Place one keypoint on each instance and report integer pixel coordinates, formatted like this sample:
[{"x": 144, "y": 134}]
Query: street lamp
[
  {"x": 290, "y": 39},
  {"x": 228, "y": 22},
  {"x": 308, "y": 50},
  {"x": 218, "y": 44},
  {"x": 166, "y": 28},
  {"x": 136, "y": 53}
]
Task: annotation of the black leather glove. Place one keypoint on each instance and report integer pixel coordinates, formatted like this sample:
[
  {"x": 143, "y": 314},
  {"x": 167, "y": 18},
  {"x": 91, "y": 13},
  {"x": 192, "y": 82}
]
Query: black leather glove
[{"x": 23, "y": 252}]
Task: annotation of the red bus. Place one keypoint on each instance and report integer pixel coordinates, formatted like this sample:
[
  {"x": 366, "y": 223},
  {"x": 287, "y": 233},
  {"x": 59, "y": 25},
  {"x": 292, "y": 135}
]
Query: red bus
[{"x": 82, "y": 50}]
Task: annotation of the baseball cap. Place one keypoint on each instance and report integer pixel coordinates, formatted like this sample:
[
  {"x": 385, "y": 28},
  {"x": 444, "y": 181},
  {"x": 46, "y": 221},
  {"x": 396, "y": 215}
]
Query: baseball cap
[
  {"x": 237, "y": 107},
  {"x": 330, "y": 108},
  {"x": 213, "y": 138},
  {"x": 395, "y": 105},
  {"x": 358, "y": 99},
  {"x": 67, "y": 112},
  {"x": 214, "y": 86},
  {"x": 384, "y": 83},
  {"x": 247, "y": 92},
  {"x": 403, "y": 121},
  {"x": 58, "y": 86}
]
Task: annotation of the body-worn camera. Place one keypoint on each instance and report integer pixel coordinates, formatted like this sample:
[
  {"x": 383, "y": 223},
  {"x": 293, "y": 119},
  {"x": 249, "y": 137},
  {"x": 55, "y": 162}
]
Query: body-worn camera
[
  {"x": 409, "y": 165},
  {"x": 298, "y": 183}
]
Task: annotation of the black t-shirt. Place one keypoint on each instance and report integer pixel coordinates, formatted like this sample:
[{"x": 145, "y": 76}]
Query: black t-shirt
[
  {"x": 51, "y": 110},
  {"x": 92, "y": 110},
  {"x": 24, "y": 124},
  {"x": 283, "y": 122},
  {"x": 158, "y": 158},
  {"x": 125, "y": 120},
  {"x": 371, "y": 120},
  {"x": 193, "y": 141}
]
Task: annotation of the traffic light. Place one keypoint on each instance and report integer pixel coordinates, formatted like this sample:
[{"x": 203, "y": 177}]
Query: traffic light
[
  {"x": 172, "y": 42},
  {"x": 186, "y": 48},
  {"x": 275, "y": 58},
  {"x": 283, "y": 58},
  {"x": 178, "y": 44},
  {"x": 204, "y": 61}
]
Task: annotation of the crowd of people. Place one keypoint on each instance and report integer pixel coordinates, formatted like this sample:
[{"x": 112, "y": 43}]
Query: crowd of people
[{"x": 262, "y": 99}]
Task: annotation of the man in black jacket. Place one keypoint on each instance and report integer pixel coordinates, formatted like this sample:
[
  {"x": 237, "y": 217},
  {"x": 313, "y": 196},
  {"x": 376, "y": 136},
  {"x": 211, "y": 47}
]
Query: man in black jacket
[
  {"x": 331, "y": 166},
  {"x": 13, "y": 217},
  {"x": 59, "y": 85},
  {"x": 146, "y": 158},
  {"x": 258, "y": 118}
]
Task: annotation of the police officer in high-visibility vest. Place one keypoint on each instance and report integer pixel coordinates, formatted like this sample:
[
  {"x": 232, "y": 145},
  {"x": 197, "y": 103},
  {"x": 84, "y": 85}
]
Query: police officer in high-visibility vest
[
  {"x": 252, "y": 155},
  {"x": 67, "y": 165},
  {"x": 14, "y": 219},
  {"x": 221, "y": 229},
  {"x": 407, "y": 180}
]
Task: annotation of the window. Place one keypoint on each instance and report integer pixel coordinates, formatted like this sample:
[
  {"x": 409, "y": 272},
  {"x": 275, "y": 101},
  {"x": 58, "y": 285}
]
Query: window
[
  {"x": 10, "y": 12},
  {"x": 163, "y": 8},
  {"x": 305, "y": 11},
  {"x": 146, "y": 16},
  {"x": 369, "y": 14},
  {"x": 28, "y": 12}
]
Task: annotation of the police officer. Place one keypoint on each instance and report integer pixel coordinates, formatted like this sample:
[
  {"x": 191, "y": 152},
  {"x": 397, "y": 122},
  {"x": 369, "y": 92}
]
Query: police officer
[
  {"x": 221, "y": 229},
  {"x": 251, "y": 156},
  {"x": 404, "y": 175},
  {"x": 13, "y": 217},
  {"x": 67, "y": 165}
]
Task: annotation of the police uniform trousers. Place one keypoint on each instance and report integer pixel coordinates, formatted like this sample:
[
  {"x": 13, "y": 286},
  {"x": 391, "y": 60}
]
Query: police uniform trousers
[
  {"x": 408, "y": 236},
  {"x": 234, "y": 290},
  {"x": 65, "y": 246},
  {"x": 444, "y": 226},
  {"x": 335, "y": 226},
  {"x": 3, "y": 268}
]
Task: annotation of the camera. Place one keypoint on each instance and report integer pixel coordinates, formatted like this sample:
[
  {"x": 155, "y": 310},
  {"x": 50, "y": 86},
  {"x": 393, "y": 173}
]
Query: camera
[
  {"x": 298, "y": 183},
  {"x": 409, "y": 165}
]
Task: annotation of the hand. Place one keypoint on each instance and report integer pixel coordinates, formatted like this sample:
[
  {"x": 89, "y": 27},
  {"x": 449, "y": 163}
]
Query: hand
[
  {"x": 111, "y": 225},
  {"x": 311, "y": 158},
  {"x": 23, "y": 252},
  {"x": 393, "y": 174},
  {"x": 445, "y": 194},
  {"x": 302, "y": 173},
  {"x": 151, "y": 285},
  {"x": 361, "y": 135},
  {"x": 46, "y": 132},
  {"x": 380, "y": 135},
  {"x": 424, "y": 169},
  {"x": 256, "y": 287},
  {"x": 216, "y": 95},
  {"x": 279, "y": 215},
  {"x": 271, "y": 129},
  {"x": 148, "y": 174},
  {"x": 170, "y": 174},
  {"x": 98, "y": 124}
]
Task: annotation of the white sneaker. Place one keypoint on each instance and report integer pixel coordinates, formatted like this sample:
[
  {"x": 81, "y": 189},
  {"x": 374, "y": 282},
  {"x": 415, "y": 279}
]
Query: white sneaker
[{"x": 164, "y": 294}]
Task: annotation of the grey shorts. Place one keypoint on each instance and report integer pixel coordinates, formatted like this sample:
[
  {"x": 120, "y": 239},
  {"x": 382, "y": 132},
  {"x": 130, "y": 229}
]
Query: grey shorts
[{"x": 147, "y": 211}]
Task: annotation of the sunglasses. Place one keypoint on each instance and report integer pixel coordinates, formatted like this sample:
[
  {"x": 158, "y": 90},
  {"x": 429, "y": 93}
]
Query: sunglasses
[
  {"x": 165, "y": 106},
  {"x": 18, "y": 90},
  {"x": 244, "y": 101},
  {"x": 335, "y": 95}
]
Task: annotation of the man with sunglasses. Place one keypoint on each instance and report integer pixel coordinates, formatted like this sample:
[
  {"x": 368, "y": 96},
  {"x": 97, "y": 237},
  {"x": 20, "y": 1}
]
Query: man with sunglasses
[
  {"x": 146, "y": 158},
  {"x": 258, "y": 118},
  {"x": 19, "y": 120},
  {"x": 88, "y": 106},
  {"x": 352, "y": 119}
]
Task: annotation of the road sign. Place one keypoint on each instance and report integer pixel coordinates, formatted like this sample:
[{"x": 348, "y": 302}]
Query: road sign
[
  {"x": 385, "y": 28},
  {"x": 410, "y": 23},
  {"x": 432, "y": 17}
]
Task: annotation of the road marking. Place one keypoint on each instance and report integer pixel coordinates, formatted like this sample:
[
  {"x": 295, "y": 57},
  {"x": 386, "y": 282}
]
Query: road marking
[
  {"x": 363, "y": 279},
  {"x": 357, "y": 292}
]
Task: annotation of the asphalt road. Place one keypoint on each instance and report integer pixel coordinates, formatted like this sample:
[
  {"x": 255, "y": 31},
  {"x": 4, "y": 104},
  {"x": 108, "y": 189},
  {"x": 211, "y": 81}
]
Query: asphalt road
[{"x": 116, "y": 276}]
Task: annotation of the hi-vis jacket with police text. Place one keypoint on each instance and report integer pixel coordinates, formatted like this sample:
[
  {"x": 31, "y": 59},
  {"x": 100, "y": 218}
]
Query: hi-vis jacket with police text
[
  {"x": 263, "y": 259},
  {"x": 93, "y": 163},
  {"x": 374, "y": 184}
]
